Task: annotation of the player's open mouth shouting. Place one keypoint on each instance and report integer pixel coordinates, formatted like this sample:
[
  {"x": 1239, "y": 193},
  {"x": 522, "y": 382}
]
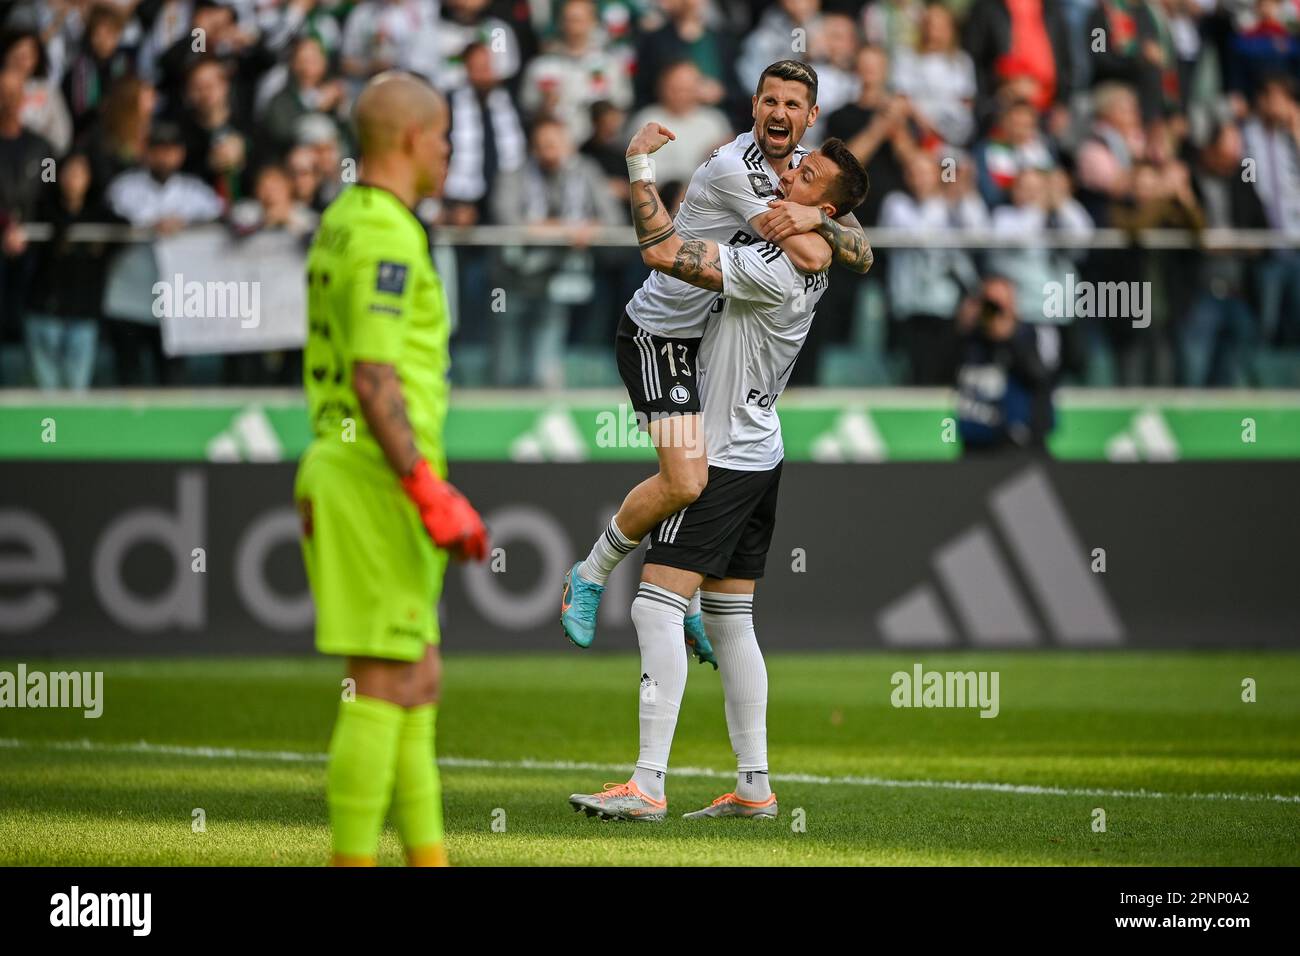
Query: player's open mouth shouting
[{"x": 777, "y": 135}]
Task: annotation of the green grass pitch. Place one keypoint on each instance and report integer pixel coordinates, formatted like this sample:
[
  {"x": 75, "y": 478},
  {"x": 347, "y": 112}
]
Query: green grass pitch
[{"x": 1185, "y": 771}]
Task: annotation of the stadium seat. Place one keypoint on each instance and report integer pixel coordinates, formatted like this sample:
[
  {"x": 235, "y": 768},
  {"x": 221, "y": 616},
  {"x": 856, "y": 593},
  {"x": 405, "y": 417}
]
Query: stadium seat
[
  {"x": 469, "y": 365},
  {"x": 590, "y": 367},
  {"x": 844, "y": 366},
  {"x": 1278, "y": 368},
  {"x": 203, "y": 369},
  {"x": 14, "y": 367},
  {"x": 863, "y": 361}
]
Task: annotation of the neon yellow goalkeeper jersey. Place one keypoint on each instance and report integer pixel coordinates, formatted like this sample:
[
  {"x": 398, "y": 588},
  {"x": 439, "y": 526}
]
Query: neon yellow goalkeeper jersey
[{"x": 374, "y": 296}]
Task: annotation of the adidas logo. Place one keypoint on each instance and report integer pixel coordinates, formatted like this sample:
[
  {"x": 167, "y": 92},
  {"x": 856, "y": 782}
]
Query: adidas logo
[
  {"x": 553, "y": 437},
  {"x": 250, "y": 437},
  {"x": 1148, "y": 438},
  {"x": 853, "y": 437},
  {"x": 649, "y": 689},
  {"x": 985, "y": 597}
]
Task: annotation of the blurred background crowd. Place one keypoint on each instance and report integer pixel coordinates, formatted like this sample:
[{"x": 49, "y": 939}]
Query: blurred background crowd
[{"x": 1004, "y": 139}]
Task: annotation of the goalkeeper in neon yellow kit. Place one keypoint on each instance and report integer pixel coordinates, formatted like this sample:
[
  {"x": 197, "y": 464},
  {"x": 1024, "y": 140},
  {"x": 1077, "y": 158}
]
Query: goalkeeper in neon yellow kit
[{"x": 378, "y": 519}]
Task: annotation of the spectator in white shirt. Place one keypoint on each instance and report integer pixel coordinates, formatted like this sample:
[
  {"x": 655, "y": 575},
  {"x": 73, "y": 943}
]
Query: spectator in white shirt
[
  {"x": 939, "y": 78},
  {"x": 461, "y": 23},
  {"x": 577, "y": 71},
  {"x": 1040, "y": 202},
  {"x": 777, "y": 37},
  {"x": 927, "y": 283},
  {"x": 385, "y": 34},
  {"x": 699, "y": 129},
  {"x": 44, "y": 111},
  {"x": 159, "y": 194}
]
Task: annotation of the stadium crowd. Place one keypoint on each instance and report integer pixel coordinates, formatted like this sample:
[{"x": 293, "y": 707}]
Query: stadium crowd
[{"x": 1020, "y": 118}]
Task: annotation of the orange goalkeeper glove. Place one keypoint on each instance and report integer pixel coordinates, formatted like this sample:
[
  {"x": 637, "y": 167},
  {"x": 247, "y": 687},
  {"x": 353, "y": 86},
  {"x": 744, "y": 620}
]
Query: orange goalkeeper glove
[{"x": 451, "y": 521}]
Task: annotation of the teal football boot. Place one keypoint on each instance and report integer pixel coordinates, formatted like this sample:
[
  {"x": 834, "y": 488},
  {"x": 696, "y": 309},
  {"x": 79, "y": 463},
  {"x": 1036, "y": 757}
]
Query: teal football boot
[
  {"x": 698, "y": 641},
  {"x": 578, "y": 606}
]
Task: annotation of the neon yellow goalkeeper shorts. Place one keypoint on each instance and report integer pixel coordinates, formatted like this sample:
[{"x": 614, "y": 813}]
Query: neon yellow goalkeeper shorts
[{"x": 374, "y": 574}]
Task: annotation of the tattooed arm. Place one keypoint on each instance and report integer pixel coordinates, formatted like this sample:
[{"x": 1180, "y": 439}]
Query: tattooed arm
[
  {"x": 849, "y": 240},
  {"x": 788, "y": 220},
  {"x": 379, "y": 392},
  {"x": 696, "y": 261}
]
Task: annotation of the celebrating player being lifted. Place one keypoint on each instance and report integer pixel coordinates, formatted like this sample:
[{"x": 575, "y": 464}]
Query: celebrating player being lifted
[
  {"x": 721, "y": 540},
  {"x": 731, "y": 199}
]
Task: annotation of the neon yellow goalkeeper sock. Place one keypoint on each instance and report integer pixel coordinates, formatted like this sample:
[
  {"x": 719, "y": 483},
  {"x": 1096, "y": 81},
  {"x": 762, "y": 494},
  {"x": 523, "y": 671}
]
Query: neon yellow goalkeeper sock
[
  {"x": 363, "y": 763},
  {"x": 417, "y": 797}
]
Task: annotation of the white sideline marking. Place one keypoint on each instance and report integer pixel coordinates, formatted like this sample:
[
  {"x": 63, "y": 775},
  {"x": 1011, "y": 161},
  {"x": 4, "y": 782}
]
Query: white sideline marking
[{"x": 297, "y": 756}]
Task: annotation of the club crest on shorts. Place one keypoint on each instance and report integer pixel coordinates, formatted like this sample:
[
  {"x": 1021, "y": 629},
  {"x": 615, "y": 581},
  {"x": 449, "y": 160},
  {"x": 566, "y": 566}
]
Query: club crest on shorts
[{"x": 679, "y": 394}]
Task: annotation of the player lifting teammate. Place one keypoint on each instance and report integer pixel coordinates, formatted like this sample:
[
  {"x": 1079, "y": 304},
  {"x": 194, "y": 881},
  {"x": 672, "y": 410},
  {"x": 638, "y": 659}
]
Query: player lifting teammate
[
  {"x": 721, "y": 539},
  {"x": 732, "y": 199}
]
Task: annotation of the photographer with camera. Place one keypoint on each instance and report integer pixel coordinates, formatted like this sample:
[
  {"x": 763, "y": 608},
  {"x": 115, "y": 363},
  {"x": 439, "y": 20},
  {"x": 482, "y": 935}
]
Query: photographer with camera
[{"x": 1004, "y": 387}]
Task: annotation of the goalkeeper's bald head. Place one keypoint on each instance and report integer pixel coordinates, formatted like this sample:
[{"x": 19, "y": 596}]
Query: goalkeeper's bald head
[{"x": 401, "y": 125}]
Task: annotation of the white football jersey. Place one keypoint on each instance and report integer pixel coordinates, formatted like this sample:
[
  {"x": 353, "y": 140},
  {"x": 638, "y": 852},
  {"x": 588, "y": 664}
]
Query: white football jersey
[
  {"x": 733, "y": 186},
  {"x": 749, "y": 350}
]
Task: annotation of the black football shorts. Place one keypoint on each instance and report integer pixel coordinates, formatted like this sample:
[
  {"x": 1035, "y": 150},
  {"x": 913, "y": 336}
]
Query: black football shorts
[
  {"x": 726, "y": 531},
  {"x": 660, "y": 373}
]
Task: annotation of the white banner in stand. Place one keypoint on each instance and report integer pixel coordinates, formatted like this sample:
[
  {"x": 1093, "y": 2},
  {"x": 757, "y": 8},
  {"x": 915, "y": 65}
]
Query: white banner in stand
[{"x": 219, "y": 293}]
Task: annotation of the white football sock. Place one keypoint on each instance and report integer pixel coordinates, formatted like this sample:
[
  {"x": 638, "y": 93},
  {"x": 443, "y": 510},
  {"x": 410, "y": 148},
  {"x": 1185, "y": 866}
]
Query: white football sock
[
  {"x": 694, "y": 607},
  {"x": 729, "y": 622},
  {"x": 752, "y": 785},
  {"x": 657, "y": 615},
  {"x": 650, "y": 782},
  {"x": 610, "y": 548}
]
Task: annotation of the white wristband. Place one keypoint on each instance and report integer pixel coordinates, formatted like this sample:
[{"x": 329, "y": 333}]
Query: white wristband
[{"x": 640, "y": 168}]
